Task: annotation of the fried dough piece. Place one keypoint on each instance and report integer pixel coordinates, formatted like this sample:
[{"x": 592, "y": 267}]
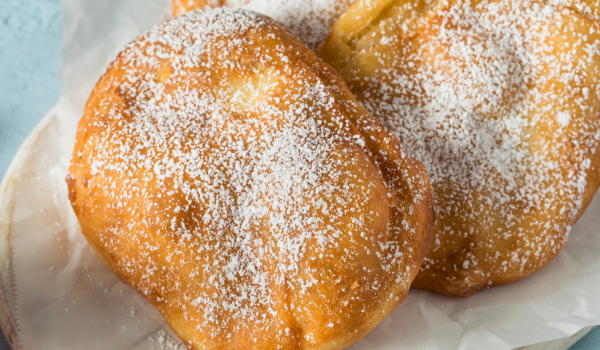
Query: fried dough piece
[
  {"x": 499, "y": 100},
  {"x": 227, "y": 174},
  {"x": 309, "y": 20},
  {"x": 180, "y": 7}
]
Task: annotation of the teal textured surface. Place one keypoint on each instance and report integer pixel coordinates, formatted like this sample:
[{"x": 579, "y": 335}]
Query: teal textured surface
[
  {"x": 30, "y": 44},
  {"x": 589, "y": 342}
]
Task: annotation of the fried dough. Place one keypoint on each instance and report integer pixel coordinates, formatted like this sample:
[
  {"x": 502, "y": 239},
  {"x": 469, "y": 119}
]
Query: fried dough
[
  {"x": 309, "y": 20},
  {"x": 228, "y": 175},
  {"x": 500, "y": 101}
]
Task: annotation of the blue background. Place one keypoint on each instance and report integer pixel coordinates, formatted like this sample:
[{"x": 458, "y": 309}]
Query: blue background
[{"x": 30, "y": 44}]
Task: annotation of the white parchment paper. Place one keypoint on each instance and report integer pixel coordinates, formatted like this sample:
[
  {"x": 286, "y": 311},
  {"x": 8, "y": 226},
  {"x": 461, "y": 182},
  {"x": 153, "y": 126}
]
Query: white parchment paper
[{"x": 68, "y": 299}]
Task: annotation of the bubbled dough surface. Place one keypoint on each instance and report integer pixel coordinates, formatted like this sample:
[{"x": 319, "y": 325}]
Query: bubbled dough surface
[
  {"x": 499, "y": 100},
  {"x": 228, "y": 175}
]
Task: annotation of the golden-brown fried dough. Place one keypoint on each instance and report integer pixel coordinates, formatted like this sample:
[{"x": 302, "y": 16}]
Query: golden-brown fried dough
[
  {"x": 500, "y": 101},
  {"x": 309, "y": 20},
  {"x": 227, "y": 174},
  {"x": 182, "y": 6}
]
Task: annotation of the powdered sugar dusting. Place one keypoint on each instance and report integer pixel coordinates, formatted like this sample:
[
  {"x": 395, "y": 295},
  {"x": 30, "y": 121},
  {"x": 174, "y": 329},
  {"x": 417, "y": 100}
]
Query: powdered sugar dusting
[
  {"x": 499, "y": 100},
  {"x": 309, "y": 20},
  {"x": 235, "y": 194}
]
